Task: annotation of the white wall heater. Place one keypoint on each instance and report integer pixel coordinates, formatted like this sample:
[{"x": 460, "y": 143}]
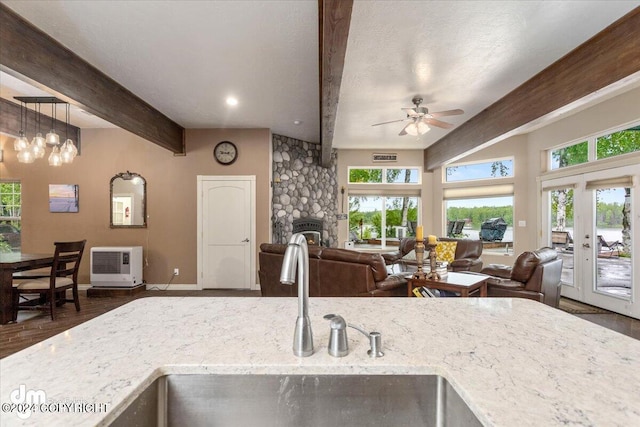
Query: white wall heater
[{"x": 116, "y": 266}]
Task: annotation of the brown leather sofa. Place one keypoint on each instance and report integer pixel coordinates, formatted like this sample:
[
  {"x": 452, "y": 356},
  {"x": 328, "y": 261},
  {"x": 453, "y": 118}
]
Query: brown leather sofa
[
  {"x": 534, "y": 275},
  {"x": 467, "y": 256},
  {"x": 332, "y": 273}
]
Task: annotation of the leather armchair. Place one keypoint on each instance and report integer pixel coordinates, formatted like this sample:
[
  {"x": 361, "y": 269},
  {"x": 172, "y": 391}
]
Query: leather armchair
[
  {"x": 467, "y": 256},
  {"x": 534, "y": 275}
]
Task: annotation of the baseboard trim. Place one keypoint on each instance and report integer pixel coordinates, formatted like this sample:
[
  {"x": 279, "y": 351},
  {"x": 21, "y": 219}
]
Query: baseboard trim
[{"x": 171, "y": 287}]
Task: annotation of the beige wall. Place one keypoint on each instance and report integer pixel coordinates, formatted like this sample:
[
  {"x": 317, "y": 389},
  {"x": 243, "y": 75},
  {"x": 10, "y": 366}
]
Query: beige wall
[{"x": 170, "y": 239}]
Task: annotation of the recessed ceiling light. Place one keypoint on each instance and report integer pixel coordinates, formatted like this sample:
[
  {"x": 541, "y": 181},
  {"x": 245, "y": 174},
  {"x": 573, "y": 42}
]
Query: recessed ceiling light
[
  {"x": 297, "y": 122},
  {"x": 232, "y": 101}
]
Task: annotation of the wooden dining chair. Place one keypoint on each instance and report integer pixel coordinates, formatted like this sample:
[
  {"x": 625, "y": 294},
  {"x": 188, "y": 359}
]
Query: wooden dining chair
[{"x": 63, "y": 276}]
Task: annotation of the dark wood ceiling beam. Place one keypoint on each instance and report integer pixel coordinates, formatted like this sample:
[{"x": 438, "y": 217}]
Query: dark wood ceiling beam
[
  {"x": 335, "y": 19},
  {"x": 28, "y": 51},
  {"x": 10, "y": 122},
  {"x": 608, "y": 57}
]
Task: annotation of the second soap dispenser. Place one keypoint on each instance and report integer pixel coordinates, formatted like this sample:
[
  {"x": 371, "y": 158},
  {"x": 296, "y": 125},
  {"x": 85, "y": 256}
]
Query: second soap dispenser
[{"x": 338, "y": 343}]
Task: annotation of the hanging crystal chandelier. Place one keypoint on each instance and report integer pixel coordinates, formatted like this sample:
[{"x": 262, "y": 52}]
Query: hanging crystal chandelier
[{"x": 29, "y": 152}]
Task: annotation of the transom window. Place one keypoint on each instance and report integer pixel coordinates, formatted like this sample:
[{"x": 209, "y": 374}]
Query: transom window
[
  {"x": 384, "y": 175},
  {"x": 499, "y": 168},
  {"x": 596, "y": 147}
]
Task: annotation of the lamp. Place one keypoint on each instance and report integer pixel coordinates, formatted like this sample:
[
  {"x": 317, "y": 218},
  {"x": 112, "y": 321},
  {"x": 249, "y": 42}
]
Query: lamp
[
  {"x": 52, "y": 136},
  {"x": 38, "y": 143},
  {"x": 418, "y": 127},
  {"x": 21, "y": 142},
  {"x": 27, "y": 153},
  {"x": 68, "y": 151}
]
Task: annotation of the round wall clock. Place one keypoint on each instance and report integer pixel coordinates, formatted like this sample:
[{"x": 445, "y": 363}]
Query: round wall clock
[{"x": 225, "y": 152}]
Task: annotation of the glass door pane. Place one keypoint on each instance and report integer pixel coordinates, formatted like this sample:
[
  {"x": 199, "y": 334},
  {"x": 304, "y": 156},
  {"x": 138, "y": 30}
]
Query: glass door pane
[
  {"x": 601, "y": 216},
  {"x": 401, "y": 214},
  {"x": 365, "y": 221},
  {"x": 613, "y": 244},
  {"x": 562, "y": 230}
]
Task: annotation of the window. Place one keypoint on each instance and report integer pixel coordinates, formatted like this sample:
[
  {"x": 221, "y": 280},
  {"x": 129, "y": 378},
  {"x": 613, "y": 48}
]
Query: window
[
  {"x": 375, "y": 219},
  {"x": 384, "y": 175},
  {"x": 501, "y": 168},
  {"x": 10, "y": 216},
  {"x": 489, "y": 219},
  {"x": 617, "y": 143},
  {"x": 482, "y": 212},
  {"x": 596, "y": 148},
  {"x": 571, "y": 155},
  {"x": 383, "y": 204}
]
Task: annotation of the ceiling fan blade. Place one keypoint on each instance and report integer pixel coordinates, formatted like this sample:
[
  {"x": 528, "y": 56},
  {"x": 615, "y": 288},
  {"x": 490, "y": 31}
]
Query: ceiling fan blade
[
  {"x": 446, "y": 113},
  {"x": 410, "y": 112},
  {"x": 403, "y": 132},
  {"x": 438, "y": 123},
  {"x": 392, "y": 121}
]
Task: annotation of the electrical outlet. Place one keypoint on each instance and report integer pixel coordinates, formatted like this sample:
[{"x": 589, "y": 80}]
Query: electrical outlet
[{"x": 176, "y": 271}]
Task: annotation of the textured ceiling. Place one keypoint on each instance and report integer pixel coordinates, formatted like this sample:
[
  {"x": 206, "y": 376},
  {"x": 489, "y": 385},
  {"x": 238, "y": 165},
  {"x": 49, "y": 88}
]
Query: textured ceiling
[{"x": 186, "y": 57}]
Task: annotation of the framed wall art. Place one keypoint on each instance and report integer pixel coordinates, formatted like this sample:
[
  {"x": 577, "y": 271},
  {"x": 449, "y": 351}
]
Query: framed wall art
[{"x": 63, "y": 198}]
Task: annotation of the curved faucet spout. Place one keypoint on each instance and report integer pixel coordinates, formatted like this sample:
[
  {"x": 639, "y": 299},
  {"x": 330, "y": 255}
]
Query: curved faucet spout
[{"x": 297, "y": 255}]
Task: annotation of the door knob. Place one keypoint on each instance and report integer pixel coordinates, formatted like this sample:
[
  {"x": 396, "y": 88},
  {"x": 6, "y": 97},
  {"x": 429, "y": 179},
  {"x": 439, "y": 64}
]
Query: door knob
[{"x": 245, "y": 240}]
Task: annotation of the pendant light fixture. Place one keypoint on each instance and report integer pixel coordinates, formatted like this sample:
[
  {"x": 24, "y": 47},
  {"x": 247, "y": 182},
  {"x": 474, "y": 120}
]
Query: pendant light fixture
[
  {"x": 38, "y": 143},
  {"x": 21, "y": 142},
  {"x": 29, "y": 152},
  {"x": 52, "y": 136},
  {"x": 68, "y": 151}
]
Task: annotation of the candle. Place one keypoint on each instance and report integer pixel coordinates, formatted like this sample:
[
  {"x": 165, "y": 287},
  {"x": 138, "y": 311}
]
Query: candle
[
  {"x": 419, "y": 234},
  {"x": 432, "y": 239}
]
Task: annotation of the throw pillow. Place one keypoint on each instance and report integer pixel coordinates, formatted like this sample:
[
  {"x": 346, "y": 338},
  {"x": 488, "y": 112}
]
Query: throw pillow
[
  {"x": 411, "y": 256},
  {"x": 446, "y": 251}
]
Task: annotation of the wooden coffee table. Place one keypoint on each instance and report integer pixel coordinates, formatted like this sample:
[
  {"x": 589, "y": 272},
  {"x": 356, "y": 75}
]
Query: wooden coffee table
[{"x": 453, "y": 282}]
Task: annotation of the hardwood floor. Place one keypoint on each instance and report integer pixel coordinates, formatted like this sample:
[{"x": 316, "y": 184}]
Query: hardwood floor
[{"x": 35, "y": 326}]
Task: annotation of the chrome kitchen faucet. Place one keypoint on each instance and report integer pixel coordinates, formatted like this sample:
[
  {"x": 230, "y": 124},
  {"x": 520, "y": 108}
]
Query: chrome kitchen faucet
[{"x": 297, "y": 254}]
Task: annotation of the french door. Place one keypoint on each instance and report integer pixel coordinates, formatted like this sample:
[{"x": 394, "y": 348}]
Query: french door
[{"x": 592, "y": 220}]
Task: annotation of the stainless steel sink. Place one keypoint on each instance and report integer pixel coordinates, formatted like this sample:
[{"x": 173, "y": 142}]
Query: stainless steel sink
[{"x": 298, "y": 400}]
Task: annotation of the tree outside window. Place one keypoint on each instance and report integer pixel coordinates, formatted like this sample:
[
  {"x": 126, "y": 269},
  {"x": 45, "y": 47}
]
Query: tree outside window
[{"x": 10, "y": 216}]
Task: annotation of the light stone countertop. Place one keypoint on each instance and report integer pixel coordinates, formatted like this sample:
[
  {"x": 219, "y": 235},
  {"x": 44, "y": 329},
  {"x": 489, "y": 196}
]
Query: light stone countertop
[{"x": 515, "y": 362}]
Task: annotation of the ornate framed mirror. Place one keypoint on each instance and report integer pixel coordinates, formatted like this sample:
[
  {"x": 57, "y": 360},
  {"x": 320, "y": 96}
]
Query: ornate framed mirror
[{"x": 128, "y": 195}]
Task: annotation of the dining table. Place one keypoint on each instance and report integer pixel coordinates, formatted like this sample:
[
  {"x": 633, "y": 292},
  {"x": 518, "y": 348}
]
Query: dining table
[{"x": 13, "y": 262}]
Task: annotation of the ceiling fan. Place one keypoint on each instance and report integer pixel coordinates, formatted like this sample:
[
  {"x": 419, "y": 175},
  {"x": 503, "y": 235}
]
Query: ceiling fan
[{"x": 420, "y": 118}]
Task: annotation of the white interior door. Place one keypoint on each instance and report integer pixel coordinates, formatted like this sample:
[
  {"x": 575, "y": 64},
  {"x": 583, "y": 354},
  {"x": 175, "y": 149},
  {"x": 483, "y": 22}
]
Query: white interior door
[
  {"x": 598, "y": 266},
  {"x": 226, "y": 248}
]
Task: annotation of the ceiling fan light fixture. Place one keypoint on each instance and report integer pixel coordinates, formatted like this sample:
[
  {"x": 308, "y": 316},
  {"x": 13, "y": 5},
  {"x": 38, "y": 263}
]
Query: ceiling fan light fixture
[
  {"x": 417, "y": 128},
  {"x": 422, "y": 128},
  {"x": 411, "y": 129}
]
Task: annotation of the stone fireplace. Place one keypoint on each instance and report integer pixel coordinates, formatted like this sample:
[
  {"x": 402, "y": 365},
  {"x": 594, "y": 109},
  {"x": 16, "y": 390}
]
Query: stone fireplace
[
  {"x": 310, "y": 228},
  {"x": 303, "y": 190}
]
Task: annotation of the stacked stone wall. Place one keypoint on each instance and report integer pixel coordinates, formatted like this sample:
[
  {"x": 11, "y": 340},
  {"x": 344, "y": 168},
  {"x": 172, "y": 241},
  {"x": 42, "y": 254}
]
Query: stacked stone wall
[{"x": 302, "y": 188}]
